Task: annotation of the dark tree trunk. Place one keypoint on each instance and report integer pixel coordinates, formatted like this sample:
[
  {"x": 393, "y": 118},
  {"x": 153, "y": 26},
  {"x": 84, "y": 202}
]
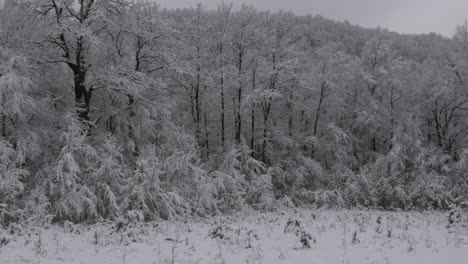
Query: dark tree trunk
[
  {"x": 82, "y": 94},
  {"x": 291, "y": 117},
  {"x": 207, "y": 146},
  {"x": 238, "y": 119},
  {"x": 265, "y": 134},
  {"x": 4, "y": 119},
  {"x": 323, "y": 88},
  {"x": 82, "y": 98},
  {"x": 252, "y": 125},
  {"x": 197, "y": 102},
  {"x": 392, "y": 118},
  {"x": 223, "y": 107},
  {"x": 223, "y": 139}
]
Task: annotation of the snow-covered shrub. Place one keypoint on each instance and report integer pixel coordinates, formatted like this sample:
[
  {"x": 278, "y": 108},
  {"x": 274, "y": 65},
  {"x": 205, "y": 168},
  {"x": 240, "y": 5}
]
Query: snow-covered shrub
[
  {"x": 185, "y": 176},
  {"x": 144, "y": 191},
  {"x": 304, "y": 238},
  {"x": 249, "y": 167},
  {"x": 329, "y": 199},
  {"x": 309, "y": 173},
  {"x": 167, "y": 182},
  {"x": 292, "y": 226},
  {"x": 40, "y": 246},
  {"x": 260, "y": 193},
  {"x": 230, "y": 182},
  {"x": 454, "y": 218},
  {"x": 357, "y": 191},
  {"x": 340, "y": 145},
  {"x": 11, "y": 185},
  {"x": 458, "y": 180},
  {"x": 429, "y": 191},
  {"x": 297, "y": 176},
  {"x": 240, "y": 236},
  {"x": 281, "y": 184},
  {"x": 15, "y": 89},
  {"x": 340, "y": 186},
  {"x": 108, "y": 178},
  {"x": 355, "y": 240},
  {"x": 229, "y": 192},
  {"x": 17, "y": 143},
  {"x": 37, "y": 208},
  {"x": 393, "y": 173},
  {"x": 64, "y": 179},
  {"x": 5, "y": 238},
  {"x": 242, "y": 179},
  {"x": 14, "y": 177},
  {"x": 310, "y": 146}
]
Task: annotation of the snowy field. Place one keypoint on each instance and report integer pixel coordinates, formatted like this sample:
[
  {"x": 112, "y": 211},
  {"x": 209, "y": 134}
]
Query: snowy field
[{"x": 361, "y": 237}]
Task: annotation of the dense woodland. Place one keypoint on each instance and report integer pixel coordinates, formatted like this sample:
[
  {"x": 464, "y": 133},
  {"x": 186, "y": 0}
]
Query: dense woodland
[{"x": 111, "y": 108}]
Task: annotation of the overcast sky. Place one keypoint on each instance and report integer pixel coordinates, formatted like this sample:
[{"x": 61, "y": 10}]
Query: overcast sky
[{"x": 404, "y": 16}]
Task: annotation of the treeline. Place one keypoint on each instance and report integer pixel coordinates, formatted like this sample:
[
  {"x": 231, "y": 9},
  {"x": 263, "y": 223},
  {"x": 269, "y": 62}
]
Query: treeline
[{"x": 111, "y": 108}]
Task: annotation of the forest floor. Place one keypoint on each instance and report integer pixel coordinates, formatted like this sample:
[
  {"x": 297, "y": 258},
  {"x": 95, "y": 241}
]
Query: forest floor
[{"x": 361, "y": 237}]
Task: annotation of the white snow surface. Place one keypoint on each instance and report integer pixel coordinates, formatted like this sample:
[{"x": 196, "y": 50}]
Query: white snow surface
[{"x": 345, "y": 236}]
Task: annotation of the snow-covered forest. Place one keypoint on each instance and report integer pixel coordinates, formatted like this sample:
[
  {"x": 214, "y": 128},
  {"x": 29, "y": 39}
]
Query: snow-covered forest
[
  {"x": 116, "y": 106},
  {"x": 114, "y": 109}
]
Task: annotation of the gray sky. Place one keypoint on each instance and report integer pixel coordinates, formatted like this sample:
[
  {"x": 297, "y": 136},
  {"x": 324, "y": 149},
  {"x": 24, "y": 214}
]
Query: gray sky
[{"x": 404, "y": 16}]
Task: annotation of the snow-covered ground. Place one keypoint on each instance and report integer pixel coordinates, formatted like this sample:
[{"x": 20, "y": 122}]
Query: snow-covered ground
[{"x": 361, "y": 237}]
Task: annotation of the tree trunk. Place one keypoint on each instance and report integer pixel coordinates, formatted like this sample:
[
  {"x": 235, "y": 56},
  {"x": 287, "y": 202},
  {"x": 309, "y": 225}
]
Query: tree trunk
[
  {"x": 82, "y": 95},
  {"x": 197, "y": 100},
  {"x": 265, "y": 133},
  {"x": 238, "y": 119},
  {"x": 4, "y": 119},
  {"x": 319, "y": 107},
  {"x": 82, "y": 98},
  {"x": 266, "y": 107},
  {"x": 291, "y": 117},
  {"x": 223, "y": 139},
  {"x": 252, "y": 125},
  {"x": 392, "y": 118},
  {"x": 207, "y": 146},
  {"x": 221, "y": 54}
]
